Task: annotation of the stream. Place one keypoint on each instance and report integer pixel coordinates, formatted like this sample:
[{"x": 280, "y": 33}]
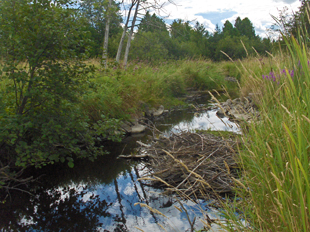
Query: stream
[{"x": 101, "y": 195}]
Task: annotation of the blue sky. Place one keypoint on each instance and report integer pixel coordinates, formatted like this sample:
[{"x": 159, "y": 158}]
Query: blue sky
[{"x": 212, "y": 12}]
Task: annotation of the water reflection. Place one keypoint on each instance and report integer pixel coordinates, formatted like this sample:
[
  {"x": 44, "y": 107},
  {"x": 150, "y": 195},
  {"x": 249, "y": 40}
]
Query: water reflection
[
  {"x": 100, "y": 195},
  {"x": 205, "y": 121},
  {"x": 96, "y": 207}
]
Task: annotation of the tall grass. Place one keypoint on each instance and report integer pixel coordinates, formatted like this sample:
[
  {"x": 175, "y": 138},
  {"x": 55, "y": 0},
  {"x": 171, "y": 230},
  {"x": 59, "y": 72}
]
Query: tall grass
[
  {"x": 122, "y": 92},
  {"x": 275, "y": 187}
]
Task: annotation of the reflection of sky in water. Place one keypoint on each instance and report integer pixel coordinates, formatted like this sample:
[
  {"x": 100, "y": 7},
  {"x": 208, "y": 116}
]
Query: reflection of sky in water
[
  {"x": 121, "y": 195},
  {"x": 205, "y": 121},
  {"x": 141, "y": 217}
]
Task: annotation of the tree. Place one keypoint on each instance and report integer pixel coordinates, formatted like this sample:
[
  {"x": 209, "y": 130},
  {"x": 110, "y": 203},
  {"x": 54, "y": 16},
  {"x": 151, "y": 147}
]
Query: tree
[
  {"x": 152, "y": 24},
  {"x": 200, "y": 36},
  {"x": 96, "y": 12},
  {"x": 229, "y": 30},
  {"x": 233, "y": 47},
  {"x": 120, "y": 46},
  {"x": 131, "y": 32},
  {"x": 238, "y": 24},
  {"x": 41, "y": 42},
  {"x": 150, "y": 41},
  {"x": 245, "y": 27},
  {"x": 106, "y": 34},
  {"x": 297, "y": 24},
  {"x": 214, "y": 39},
  {"x": 180, "y": 30},
  {"x": 148, "y": 46},
  {"x": 140, "y": 5}
]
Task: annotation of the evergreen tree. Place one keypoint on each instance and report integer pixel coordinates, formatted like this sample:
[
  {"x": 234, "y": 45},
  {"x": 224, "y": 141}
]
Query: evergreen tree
[
  {"x": 152, "y": 24},
  {"x": 200, "y": 36},
  {"x": 238, "y": 23},
  {"x": 152, "y": 39},
  {"x": 245, "y": 27},
  {"x": 229, "y": 30},
  {"x": 180, "y": 30}
]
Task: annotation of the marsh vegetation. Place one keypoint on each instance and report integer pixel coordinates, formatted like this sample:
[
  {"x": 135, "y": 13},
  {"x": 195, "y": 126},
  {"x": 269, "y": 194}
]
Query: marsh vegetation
[{"x": 59, "y": 101}]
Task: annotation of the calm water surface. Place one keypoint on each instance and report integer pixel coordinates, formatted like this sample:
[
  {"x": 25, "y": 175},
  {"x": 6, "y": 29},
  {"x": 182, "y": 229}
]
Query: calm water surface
[{"x": 101, "y": 195}]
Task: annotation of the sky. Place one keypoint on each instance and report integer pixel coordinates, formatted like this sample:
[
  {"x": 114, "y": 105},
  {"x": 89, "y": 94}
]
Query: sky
[{"x": 212, "y": 12}]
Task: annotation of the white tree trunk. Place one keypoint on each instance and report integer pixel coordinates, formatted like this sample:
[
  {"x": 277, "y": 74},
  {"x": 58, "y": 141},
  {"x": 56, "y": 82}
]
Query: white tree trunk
[
  {"x": 106, "y": 35},
  {"x": 130, "y": 34},
  {"x": 120, "y": 46}
]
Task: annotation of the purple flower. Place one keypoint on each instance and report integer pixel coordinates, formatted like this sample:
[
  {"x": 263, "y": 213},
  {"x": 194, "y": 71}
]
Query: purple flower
[{"x": 274, "y": 77}]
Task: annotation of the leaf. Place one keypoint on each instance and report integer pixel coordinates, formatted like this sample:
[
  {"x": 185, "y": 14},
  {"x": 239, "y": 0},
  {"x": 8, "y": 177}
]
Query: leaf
[{"x": 70, "y": 164}]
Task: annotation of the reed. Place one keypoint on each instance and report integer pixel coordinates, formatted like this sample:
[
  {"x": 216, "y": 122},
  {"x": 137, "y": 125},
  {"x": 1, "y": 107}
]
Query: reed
[{"x": 276, "y": 192}]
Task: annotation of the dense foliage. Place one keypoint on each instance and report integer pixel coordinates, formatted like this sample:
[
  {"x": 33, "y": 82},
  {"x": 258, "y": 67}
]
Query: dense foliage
[
  {"x": 182, "y": 40},
  {"x": 43, "y": 45}
]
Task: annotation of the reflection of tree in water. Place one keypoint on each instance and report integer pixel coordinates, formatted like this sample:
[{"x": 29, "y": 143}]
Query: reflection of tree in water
[
  {"x": 63, "y": 209},
  {"x": 121, "y": 221}
]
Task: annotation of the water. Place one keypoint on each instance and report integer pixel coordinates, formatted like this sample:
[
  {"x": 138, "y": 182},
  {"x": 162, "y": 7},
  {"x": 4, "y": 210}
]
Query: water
[{"x": 101, "y": 195}]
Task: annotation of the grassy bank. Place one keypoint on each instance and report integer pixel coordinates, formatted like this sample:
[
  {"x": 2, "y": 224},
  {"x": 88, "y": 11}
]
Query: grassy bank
[
  {"x": 120, "y": 92},
  {"x": 275, "y": 188}
]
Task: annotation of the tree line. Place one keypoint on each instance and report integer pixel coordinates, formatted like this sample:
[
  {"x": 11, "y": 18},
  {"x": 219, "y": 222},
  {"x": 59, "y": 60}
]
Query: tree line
[
  {"x": 150, "y": 38},
  {"x": 154, "y": 40}
]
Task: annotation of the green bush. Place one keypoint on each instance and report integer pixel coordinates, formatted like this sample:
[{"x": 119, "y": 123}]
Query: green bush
[{"x": 41, "y": 120}]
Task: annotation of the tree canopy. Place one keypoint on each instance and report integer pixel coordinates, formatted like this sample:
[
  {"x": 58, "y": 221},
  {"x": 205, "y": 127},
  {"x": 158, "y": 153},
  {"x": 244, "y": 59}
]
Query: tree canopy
[{"x": 185, "y": 40}]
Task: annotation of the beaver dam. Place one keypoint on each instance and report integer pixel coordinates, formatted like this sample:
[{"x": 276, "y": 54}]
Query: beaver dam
[
  {"x": 192, "y": 164},
  {"x": 199, "y": 164}
]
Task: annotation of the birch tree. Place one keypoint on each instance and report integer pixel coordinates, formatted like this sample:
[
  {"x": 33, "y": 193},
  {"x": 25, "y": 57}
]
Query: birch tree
[
  {"x": 106, "y": 35},
  {"x": 131, "y": 33},
  {"x": 120, "y": 47}
]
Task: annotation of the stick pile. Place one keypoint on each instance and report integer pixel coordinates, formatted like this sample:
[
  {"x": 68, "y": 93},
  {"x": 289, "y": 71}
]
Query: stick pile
[{"x": 192, "y": 163}]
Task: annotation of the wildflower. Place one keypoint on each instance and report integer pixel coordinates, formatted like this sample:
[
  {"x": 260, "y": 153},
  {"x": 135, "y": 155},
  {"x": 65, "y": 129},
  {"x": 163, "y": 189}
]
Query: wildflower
[{"x": 291, "y": 73}]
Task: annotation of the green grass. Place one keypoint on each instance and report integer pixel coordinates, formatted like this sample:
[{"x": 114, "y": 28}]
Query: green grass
[
  {"x": 120, "y": 92},
  {"x": 275, "y": 188},
  {"x": 222, "y": 134}
]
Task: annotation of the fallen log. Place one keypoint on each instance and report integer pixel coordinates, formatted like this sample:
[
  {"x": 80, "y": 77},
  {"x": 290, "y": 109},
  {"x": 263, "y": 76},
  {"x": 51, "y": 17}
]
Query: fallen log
[{"x": 146, "y": 156}]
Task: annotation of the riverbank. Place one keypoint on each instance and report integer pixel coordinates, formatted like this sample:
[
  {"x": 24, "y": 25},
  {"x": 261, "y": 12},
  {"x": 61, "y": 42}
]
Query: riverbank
[
  {"x": 275, "y": 188},
  {"x": 75, "y": 122},
  {"x": 119, "y": 92}
]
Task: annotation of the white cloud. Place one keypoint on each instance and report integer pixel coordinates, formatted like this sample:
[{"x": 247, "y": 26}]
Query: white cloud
[{"x": 259, "y": 12}]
